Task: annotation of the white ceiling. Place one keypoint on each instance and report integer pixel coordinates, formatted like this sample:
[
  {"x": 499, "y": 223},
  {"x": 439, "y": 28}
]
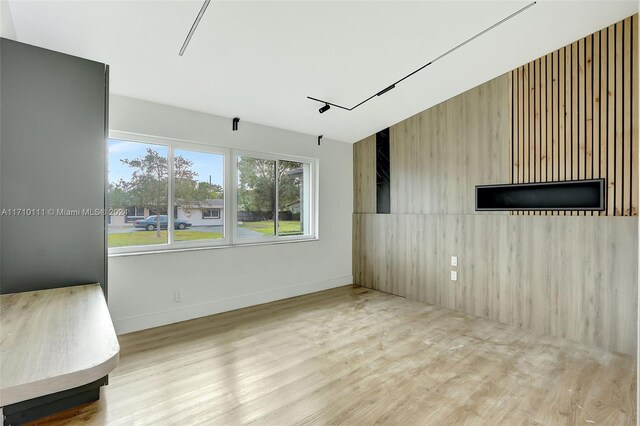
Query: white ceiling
[{"x": 259, "y": 60}]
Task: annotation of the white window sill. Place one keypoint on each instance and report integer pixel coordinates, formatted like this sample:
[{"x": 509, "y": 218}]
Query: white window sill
[{"x": 221, "y": 246}]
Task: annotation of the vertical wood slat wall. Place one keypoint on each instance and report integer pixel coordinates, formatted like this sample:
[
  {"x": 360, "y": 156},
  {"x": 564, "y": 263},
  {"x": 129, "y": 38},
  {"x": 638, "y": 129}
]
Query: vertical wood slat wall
[{"x": 574, "y": 116}]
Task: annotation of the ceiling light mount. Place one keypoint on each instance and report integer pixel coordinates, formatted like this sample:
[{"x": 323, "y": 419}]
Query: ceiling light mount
[
  {"x": 383, "y": 91},
  {"x": 327, "y": 104}
]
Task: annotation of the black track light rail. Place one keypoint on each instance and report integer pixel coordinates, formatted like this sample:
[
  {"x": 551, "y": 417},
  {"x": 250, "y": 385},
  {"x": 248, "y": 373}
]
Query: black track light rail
[
  {"x": 203, "y": 9},
  {"x": 393, "y": 85}
]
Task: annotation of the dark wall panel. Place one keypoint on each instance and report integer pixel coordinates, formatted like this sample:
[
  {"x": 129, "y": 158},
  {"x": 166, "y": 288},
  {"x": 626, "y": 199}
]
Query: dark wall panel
[{"x": 52, "y": 161}]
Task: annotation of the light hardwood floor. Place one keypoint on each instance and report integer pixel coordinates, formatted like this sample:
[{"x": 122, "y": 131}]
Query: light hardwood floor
[{"x": 358, "y": 356}]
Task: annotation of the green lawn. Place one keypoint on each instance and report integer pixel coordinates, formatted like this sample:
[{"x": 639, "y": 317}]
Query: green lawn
[
  {"x": 287, "y": 227},
  {"x": 146, "y": 238}
]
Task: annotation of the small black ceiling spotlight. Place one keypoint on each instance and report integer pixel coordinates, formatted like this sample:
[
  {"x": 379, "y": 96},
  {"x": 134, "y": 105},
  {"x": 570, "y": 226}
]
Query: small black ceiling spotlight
[
  {"x": 234, "y": 126},
  {"x": 328, "y": 104},
  {"x": 319, "y": 138}
]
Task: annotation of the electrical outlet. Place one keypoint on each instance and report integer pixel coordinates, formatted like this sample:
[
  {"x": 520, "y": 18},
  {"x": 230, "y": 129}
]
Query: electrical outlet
[
  {"x": 177, "y": 296},
  {"x": 454, "y": 275},
  {"x": 454, "y": 260}
]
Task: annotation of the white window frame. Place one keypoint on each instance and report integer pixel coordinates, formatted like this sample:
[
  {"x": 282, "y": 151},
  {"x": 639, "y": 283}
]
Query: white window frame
[
  {"x": 230, "y": 186},
  {"x": 313, "y": 212},
  {"x": 173, "y": 145}
]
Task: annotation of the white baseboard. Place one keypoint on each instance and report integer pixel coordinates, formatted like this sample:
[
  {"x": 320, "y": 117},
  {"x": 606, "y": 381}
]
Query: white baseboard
[{"x": 156, "y": 319}]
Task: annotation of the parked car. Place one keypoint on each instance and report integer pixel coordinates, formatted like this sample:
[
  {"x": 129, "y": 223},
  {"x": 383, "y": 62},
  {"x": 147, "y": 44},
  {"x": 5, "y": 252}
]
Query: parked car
[{"x": 151, "y": 222}]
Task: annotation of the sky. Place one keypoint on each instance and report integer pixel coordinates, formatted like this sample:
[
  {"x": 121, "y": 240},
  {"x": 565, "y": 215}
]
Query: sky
[{"x": 204, "y": 164}]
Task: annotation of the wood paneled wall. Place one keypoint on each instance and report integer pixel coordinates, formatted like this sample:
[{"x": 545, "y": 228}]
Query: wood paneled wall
[
  {"x": 436, "y": 155},
  {"x": 573, "y": 277},
  {"x": 575, "y": 116},
  {"x": 364, "y": 175}
]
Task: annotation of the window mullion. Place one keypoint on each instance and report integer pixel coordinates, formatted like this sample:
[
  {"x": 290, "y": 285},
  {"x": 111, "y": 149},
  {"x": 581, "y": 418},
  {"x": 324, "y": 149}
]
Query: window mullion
[
  {"x": 170, "y": 217},
  {"x": 231, "y": 173},
  {"x": 277, "y": 180}
]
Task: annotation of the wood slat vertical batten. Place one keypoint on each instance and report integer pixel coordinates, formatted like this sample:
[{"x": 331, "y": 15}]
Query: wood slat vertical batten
[
  {"x": 595, "y": 106},
  {"x": 555, "y": 117},
  {"x": 549, "y": 116},
  {"x": 626, "y": 117},
  {"x": 633, "y": 113},
  {"x": 576, "y": 151},
  {"x": 611, "y": 121},
  {"x": 604, "y": 114},
  {"x": 574, "y": 117},
  {"x": 588, "y": 109},
  {"x": 562, "y": 117}
]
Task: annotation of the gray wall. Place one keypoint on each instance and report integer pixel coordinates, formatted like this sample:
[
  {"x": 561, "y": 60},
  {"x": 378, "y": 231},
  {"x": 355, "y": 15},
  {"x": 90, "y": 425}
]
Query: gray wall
[{"x": 52, "y": 156}]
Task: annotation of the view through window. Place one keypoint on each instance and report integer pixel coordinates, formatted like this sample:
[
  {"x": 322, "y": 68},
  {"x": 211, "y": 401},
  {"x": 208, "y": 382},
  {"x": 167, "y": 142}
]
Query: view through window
[
  {"x": 198, "y": 190},
  {"x": 138, "y": 185},
  {"x": 173, "y": 194},
  {"x": 273, "y": 198}
]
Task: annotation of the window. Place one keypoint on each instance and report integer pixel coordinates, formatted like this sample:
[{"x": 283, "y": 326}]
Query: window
[
  {"x": 138, "y": 182},
  {"x": 293, "y": 204},
  {"x": 256, "y": 198},
  {"x": 198, "y": 186},
  {"x": 211, "y": 214},
  {"x": 273, "y": 198},
  {"x": 166, "y": 194}
]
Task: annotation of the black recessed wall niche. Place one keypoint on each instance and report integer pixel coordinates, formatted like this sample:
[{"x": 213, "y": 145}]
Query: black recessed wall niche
[
  {"x": 383, "y": 174},
  {"x": 568, "y": 195}
]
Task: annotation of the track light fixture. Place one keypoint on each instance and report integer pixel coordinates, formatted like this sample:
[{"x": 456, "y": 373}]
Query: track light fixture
[
  {"x": 319, "y": 139},
  {"x": 194, "y": 26},
  {"x": 234, "y": 125},
  {"x": 327, "y": 104}
]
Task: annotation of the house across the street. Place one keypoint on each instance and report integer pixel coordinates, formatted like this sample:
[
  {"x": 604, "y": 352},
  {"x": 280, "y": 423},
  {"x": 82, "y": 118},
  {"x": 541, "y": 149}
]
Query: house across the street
[{"x": 207, "y": 213}]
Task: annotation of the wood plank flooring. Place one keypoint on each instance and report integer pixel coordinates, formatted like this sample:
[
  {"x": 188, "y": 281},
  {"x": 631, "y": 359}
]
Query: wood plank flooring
[{"x": 357, "y": 356}]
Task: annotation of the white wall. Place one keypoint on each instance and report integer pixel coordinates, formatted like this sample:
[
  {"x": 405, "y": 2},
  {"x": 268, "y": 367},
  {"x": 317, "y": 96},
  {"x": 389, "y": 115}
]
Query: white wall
[
  {"x": 216, "y": 280},
  {"x": 7, "y": 29}
]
